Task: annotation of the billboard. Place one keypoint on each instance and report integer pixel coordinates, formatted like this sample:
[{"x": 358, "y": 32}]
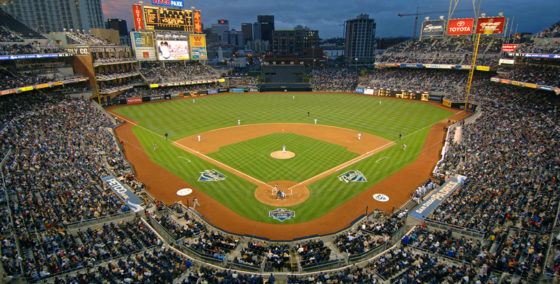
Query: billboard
[
  {"x": 460, "y": 26},
  {"x": 490, "y": 26},
  {"x": 433, "y": 28},
  {"x": 164, "y": 19},
  {"x": 509, "y": 47},
  {"x": 173, "y": 49},
  {"x": 143, "y": 45},
  {"x": 169, "y": 3},
  {"x": 198, "y": 47},
  {"x": 138, "y": 20},
  {"x": 197, "y": 21}
]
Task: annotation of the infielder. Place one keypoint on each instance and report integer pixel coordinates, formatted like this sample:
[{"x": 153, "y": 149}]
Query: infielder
[
  {"x": 195, "y": 203},
  {"x": 359, "y": 136},
  {"x": 198, "y": 137}
]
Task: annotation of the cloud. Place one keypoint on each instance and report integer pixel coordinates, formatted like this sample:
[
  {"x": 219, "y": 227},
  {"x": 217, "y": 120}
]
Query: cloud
[{"x": 328, "y": 16}]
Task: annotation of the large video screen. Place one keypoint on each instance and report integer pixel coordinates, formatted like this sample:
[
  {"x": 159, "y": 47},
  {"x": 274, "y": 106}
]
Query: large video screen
[
  {"x": 173, "y": 50},
  {"x": 164, "y": 19}
]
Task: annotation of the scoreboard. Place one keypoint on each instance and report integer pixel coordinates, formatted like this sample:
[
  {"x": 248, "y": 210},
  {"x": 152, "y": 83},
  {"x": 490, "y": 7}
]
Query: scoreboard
[{"x": 164, "y": 19}]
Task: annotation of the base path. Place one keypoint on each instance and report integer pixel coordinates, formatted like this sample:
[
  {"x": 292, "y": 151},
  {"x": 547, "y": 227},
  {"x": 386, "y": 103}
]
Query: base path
[
  {"x": 163, "y": 185},
  {"x": 214, "y": 139}
]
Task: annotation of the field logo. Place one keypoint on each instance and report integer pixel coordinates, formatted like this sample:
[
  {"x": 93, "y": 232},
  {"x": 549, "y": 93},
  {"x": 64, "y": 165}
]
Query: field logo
[
  {"x": 352, "y": 176},
  {"x": 381, "y": 197},
  {"x": 211, "y": 175},
  {"x": 282, "y": 214}
]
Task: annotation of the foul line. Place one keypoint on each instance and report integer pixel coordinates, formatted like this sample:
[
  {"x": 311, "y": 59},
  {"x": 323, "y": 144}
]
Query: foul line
[
  {"x": 307, "y": 181},
  {"x": 197, "y": 153}
]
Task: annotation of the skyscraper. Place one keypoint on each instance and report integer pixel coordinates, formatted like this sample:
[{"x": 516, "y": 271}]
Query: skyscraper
[
  {"x": 359, "y": 45},
  {"x": 266, "y": 25},
  {"x": 247, "y": 29},
  {"x": 119, "y": 25},
  {"x": 55, "y": 15}
]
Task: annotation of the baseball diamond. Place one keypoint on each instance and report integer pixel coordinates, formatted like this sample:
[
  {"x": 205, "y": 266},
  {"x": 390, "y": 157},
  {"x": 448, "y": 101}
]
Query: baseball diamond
[{"x": 323, "y": 152}]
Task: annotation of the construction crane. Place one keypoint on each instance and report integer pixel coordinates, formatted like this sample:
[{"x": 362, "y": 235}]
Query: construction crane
[{"x": 424, "y": 13}]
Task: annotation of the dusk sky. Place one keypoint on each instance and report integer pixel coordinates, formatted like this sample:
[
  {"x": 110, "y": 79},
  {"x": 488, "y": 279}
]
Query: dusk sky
[{"x": 328, "y": 16}]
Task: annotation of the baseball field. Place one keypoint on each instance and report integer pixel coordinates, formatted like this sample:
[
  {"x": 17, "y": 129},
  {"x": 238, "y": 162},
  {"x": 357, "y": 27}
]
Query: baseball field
[{"x": 321, "y": 151}]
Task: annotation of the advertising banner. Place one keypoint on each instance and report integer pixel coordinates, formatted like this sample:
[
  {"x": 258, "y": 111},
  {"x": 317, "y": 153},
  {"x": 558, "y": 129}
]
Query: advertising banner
[
  {"x": 143, "y": 45},
  {"x": 212, "y": 91},
  {"x": 124, "y": 193},
  {"x": 368, "y": 91},
  {"x": 173, "y": 50},
  {"x": 138, "y": 20},
  {"x": 237, "y": 90},
  {"x": 509, "y": 47},
  {"x": 359, "y": 90},
  {"x": 433, "y": 28},
  {"x": 439, "y": 66},
  {"x": 490, "y": 26},
  {"x": 198, "y": 47},
  {"x": 483, "y": 68},
  {"x": 134, "y": 100},
  {"x": 169, "y": 3},
  {"x": 429, "y": 205},
  {"x": 197, "y": 21},
  {"x": 460, "y": 26},
  {"x": 506, "y": 61}
]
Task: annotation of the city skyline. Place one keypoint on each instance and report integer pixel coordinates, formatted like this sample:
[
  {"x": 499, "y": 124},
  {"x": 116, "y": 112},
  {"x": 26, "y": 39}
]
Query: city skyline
[{"x": 328, "y": 16}]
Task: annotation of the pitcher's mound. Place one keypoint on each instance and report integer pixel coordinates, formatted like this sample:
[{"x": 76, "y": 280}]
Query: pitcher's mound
[{"x": 282, "y": 155}]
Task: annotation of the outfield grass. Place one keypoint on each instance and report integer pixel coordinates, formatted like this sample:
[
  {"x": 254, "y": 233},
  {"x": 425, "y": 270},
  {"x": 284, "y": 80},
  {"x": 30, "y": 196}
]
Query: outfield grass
[
  {"x": 312, "y": 157},
  {"x": 183, "y": 118}
]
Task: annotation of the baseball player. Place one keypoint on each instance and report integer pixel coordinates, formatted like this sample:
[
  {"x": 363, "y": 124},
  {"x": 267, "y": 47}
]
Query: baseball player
[
  {"x": 239, "y": 122},
  {"x": 155, "y": 146},
  {"x": 195, "y": 203},
  {"x": 404, "y": 147},
  {"x": 198, "y": 137},
  {"x": 359, "y": 136}
]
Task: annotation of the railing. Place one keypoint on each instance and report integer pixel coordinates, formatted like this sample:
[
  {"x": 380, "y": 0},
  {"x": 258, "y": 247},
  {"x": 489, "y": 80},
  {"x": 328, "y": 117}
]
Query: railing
[
  {"x": 323, "y": 265},
  {"x": 456, "y": 229}
]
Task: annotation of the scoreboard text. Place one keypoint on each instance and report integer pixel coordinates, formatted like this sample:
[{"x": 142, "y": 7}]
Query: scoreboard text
[{"x": 168, "y": 19}]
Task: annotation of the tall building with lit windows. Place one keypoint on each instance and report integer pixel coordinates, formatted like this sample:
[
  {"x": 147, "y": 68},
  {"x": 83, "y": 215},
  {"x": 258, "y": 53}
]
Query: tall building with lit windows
[
  {"x": 359, "y": 45},
  {"x": 46, "y": 16}
]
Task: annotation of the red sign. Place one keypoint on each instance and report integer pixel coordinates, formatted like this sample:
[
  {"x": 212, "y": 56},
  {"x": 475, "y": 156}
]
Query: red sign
[
  {"x": 134, "y": 100},
  {"x": 509, "y": 47},
  {"x": 489, "y": 26},
  {"x": 138, "y": 20},
  {"x": 460, "y": 26},
  {"x": 197, "y": 21}
]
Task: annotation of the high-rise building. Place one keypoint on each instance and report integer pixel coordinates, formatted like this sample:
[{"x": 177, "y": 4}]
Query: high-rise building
[
  {"x": 247, "y": 30},
  {"x": 56, "y": 15},
  {"x": 266, "y": 25},
  {"x": 221, "y": 27},
  {"x": 359, "y": 45},
  {"x": 294, "y": 42},
  {"x": 119, "y": 25}
]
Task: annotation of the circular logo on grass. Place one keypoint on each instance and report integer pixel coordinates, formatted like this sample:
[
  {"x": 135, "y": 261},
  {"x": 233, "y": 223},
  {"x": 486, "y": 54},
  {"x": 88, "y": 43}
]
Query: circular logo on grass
[
  {"x": 184, "y": 192},
  {"x": 381, "y": 197}
]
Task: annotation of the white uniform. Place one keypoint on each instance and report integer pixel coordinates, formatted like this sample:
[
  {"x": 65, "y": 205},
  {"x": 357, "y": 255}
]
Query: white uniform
[
  {"x": 198, "y": 138},
  {"x": 359, "y": 136}
]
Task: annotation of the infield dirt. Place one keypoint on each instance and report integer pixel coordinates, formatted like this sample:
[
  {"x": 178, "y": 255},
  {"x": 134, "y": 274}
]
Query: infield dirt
[{"x": 163, "y": 185}]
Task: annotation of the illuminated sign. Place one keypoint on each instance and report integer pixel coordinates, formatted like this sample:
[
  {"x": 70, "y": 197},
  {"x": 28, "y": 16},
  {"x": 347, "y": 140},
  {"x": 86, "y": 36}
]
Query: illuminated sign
[
  {"x": 164, "y": 19},
  {"x": 197, "y": 22},
  {"x": 490, "y": 25},
  {"x": 198, "y": 47},
  {"x": 138, "y": 21},
  {"x": 169, "y": 3},
  {"x": 460, "y": 26}
]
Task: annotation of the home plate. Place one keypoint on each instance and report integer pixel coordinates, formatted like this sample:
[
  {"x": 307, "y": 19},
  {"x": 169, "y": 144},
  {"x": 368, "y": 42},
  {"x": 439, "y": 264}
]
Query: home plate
[{"x": 184, "y": 191}]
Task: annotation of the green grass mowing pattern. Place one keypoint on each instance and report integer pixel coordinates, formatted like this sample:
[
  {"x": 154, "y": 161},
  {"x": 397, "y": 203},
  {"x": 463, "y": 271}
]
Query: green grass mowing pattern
[
  {"x": 183, "y": 118},
  {"x": 312, "y": 157},
  {"x": 234, "y": 192}
]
